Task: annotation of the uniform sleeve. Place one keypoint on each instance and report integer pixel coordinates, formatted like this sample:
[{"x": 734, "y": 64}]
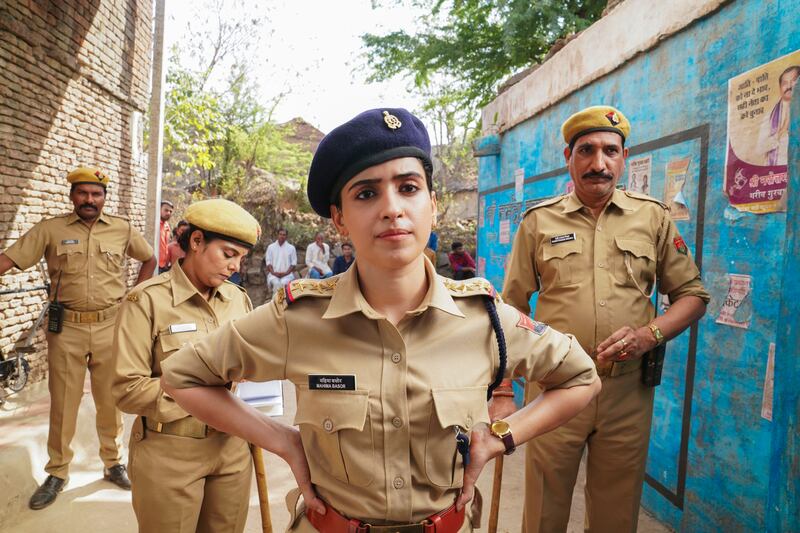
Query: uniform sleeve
[
  {"x": 29, "y": 248},
  {"x": 677, "y": 273},
  {"x": 138, "y": 248},
  {"x": 253, "y": 348},
  {"x": 135, "y": 389},
  {"x": 541, "y": 354},
  {"x": 521, "y": 277}
]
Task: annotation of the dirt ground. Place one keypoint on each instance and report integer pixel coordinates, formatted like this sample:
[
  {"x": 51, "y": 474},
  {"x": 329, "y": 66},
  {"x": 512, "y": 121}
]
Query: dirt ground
[{"x": 90, "y": 504}]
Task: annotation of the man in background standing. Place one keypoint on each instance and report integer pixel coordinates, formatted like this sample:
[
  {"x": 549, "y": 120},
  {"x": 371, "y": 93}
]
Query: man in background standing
[
  {"x": 318, "y": 254},
  {"x": 281, "y": 262},
  {"x": 165, "y": 232}
]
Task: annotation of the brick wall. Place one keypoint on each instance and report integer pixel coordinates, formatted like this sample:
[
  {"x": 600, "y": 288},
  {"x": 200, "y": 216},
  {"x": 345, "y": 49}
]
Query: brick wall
[{"x": 74, "y": 88}]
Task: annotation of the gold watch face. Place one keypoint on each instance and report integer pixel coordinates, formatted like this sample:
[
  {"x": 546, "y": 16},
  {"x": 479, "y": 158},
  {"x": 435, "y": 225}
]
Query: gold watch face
[{"x": 500, "y": 428}]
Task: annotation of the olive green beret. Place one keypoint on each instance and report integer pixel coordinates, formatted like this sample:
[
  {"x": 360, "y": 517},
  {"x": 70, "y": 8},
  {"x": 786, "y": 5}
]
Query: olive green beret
[
  {"x": 224, "y": 218},
  {"x": 88, "y": 175},
  {"x": 595, "y": 118}
]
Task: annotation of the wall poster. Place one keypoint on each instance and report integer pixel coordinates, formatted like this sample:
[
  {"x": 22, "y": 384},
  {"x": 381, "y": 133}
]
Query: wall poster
[
  {"x": 639, "y": 174},
  {"x": 676, "y": 172},
  {"x": 756, "y": 171}
]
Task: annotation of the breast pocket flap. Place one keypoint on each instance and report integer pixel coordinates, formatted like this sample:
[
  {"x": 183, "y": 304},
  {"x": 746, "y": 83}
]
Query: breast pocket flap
[
  {"x": 68, "y": 249},
  {"x": 561, "y": 250},
  {"x": 462, "y": 407},
  {"x": 175, "y": 340},
  {"x": 110, "y": 249},
  {"x": 637, "y": 248},
  {"x": 332, "y": 410}
]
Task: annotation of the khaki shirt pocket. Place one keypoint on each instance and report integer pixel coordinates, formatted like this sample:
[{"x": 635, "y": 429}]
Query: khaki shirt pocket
[
  {"x": 71, "y": 257},
  {"x": 337, "y": 434},
  {"x": 451, "y": 408},
  {"x": 169, "y": 343},
  {"x": 635, "y": 260},
  {"x": 560, "y": 263},
  {"x": 113, "y": 256}
]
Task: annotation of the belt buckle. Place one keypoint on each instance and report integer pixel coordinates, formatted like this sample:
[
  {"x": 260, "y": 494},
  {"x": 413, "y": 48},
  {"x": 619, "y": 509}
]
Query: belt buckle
[
  {"x": 89, "y": 317},
  {"x": 405, "y": 528}
]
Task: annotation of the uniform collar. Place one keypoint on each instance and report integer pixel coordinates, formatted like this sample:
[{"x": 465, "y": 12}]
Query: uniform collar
[
  {"x": 618, "y": 198},
  {"x": 182, "y": 288},
  {"x": 73, "y": 217},
  {"x": 347, "y": 298}
]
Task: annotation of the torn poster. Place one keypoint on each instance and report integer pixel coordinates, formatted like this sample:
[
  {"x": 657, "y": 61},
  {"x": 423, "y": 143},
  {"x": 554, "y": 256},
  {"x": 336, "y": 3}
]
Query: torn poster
[
  {"x": 769, "y": 384},
  {"x": 737, "y": 308},
  {"x": 481, "y": 267},
  {"x": 639, "y": 174},
  {"x": 519, "y": 184},
  {"x": 756, "y": 171},
  {"x": 505, "y": 231},
  {"x": 677, "y": 170},
  {"x": 481, "y": 212}
]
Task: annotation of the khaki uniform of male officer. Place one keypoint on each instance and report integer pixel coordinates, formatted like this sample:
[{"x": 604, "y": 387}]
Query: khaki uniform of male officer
[
  {"x": 85, "y": 252},
  {"x": 186, "y": 476},
  {"x": 594, "y": 256}
]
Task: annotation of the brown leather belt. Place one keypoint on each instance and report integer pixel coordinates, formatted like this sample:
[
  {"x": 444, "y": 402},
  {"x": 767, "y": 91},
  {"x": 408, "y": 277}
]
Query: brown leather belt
[
  {"x": 90, "y": 317},
  {"x": 185, "y": 427},
  {"x": 447, "y": 521},
  {"x": 619, "y": 368}
]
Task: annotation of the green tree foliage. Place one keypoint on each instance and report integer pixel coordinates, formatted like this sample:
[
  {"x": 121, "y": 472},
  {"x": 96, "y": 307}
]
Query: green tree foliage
[{"x": 474, "y": 44}]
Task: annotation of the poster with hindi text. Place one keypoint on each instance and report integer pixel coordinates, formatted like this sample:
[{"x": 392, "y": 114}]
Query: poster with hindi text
[
  {"x": 639, "y": 174},
  {"x": 756, "y": 171}
]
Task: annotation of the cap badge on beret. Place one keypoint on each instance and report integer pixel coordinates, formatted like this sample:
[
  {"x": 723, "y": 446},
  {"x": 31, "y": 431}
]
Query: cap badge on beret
[
  {"x": 612, "y": 118},
  {"x": 392, "y": 121}
]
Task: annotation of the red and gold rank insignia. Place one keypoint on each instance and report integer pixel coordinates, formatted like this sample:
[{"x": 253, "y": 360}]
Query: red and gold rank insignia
[
  {"x": 680, "y": 245},
  {"x": 533, "y": 326}
]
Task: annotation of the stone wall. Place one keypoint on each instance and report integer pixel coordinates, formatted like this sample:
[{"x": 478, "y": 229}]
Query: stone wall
[{"x": 74, "y": 88}]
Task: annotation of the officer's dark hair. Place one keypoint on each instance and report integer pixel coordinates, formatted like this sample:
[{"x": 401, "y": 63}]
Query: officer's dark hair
[
  {"x": 456, "y": 245},
  {"x": 178, "y": 226},
  {"x": 428, "y": 180},
  {"x": 208, "y": 236},
  {"x": 72, "y": 187}
]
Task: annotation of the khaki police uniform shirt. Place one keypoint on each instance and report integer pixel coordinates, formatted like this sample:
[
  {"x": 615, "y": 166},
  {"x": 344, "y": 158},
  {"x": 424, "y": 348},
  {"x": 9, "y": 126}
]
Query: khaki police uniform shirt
[
  {"x": 89, "y": 261},
  {"x": 379, "y": 428},
  {"x": 578, "y": 264},
  {"x": 158, "y": 317}
]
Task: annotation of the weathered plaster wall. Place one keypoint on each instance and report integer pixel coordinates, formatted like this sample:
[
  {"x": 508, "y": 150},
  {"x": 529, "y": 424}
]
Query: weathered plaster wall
[
  {"x": 74, "y": 85},
  {"x": 715, "y": 464}
]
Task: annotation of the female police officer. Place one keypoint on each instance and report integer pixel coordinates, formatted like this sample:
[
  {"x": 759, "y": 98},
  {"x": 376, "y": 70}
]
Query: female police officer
[
  {"x": 186, "y": 475},
  {"x": 391, "y": 362}
]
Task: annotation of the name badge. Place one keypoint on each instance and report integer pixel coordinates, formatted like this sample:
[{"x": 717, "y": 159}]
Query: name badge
[
  {"x": 562, "y": 238},
  {"x": 70, "y": 241},
  {"x": 331, "y": 382},
  {"x": 182, "y": 328}
]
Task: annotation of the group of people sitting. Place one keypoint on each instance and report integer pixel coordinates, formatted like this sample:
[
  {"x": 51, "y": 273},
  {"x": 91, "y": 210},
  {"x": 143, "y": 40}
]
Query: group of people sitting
[{"x": 281, "y": 260}]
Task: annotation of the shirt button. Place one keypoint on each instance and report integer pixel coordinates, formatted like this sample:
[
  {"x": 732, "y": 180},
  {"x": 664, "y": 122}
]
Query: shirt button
[
  {"x": 210, "y": 320},
  {"x": 601, "y": 265},
  {"x": 468, "y": 422},
  {"x": 396, "y": 357},
  {"x": 599, "y": 228},
  {"x": 397, "y": 422},
  {"x": 398, "y": 483},
  {"x": 602, "y": 303},
  {"x": 327, "y": 425}
]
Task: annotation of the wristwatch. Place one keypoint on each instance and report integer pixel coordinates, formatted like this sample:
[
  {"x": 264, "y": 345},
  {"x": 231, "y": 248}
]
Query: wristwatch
[
  {"x": 502, "y": 431},
  {"x": 657, "y": 334}
]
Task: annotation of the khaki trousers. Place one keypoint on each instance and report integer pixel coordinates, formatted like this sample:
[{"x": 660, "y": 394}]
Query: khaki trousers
[
  {"x": 69, "y": 354},
  {"x": 183, "y": 484},
  {"x": 616, "y": 428}
]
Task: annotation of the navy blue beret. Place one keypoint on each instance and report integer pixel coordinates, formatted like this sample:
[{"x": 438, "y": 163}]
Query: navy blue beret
[{"x": 371, "y": 138}]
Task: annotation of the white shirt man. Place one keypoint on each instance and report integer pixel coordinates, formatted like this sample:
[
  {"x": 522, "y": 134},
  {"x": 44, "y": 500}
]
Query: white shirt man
[
  {"x": 317, "y": 256},
  {"x": 281, "y": 261}
]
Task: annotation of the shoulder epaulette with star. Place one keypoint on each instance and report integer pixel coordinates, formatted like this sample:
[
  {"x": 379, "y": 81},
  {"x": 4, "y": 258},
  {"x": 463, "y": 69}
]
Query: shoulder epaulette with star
[
  {"x": 639, "y": 196},
  {"x": 544, "y": 203},
  {"x": 299, "y": 288},
  {"x": 470, "y": 287},
  {"x": 136, "y": 292}
]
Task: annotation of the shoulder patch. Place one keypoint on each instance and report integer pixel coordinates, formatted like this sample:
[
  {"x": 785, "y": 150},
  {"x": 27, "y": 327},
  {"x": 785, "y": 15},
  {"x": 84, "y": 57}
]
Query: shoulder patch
[
  {"x": 525, "y": 322},
  {"x": 299, "y": 288},
  {"x": 470, "y": 287},
  {"x": 639, "y": 196}
]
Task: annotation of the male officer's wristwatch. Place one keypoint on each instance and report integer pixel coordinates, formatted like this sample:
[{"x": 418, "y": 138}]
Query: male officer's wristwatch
[
  {"x": 657, "y": 333},
  {"x": 502, "y": 431}
]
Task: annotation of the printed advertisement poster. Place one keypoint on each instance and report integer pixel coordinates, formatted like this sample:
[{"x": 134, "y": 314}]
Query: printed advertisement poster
[
  {"x": 639, "y": 174},
  {"x": 505, "y": 231},
  {"x": 756, "y": 172},
  {"x": 481, "y": 211},
  {"x": 736, "y": 309},
  {"x": 519, "y": 184},
  {"x": 481, "y": 267},
  {"x": 677, "y": 169}
]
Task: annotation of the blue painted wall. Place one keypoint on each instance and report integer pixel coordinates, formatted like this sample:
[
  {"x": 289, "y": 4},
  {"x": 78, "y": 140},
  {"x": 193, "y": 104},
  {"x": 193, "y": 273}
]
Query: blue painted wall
[{"x": 741, "y": 472}]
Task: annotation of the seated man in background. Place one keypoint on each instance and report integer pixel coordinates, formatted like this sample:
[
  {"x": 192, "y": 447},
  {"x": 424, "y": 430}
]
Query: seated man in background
[
  {"x": 281, "y": 262},
  {"x": 343, "y": 262},
  {"x": 317, "y": 256},
  {"x": 461, "y": 262}
]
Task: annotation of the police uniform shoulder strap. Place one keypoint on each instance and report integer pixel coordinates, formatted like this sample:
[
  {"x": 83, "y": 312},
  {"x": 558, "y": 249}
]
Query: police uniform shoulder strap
[
  {"x": 136, "y": 292},
  {"x": 639, "y": 196},
  {"x": 303, "y": 287},
  {"x": 482, "y": 287},
  {"x": 544, "y": 203}
]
